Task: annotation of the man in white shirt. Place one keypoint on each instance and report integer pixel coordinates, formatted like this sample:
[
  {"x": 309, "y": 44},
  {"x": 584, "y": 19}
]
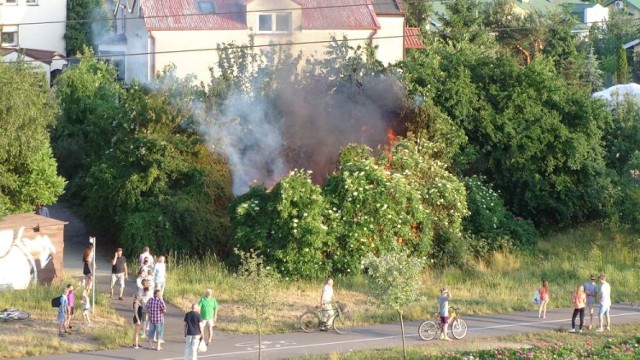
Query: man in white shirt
[
  {"x": 605, "y": 303},
  {"x": 146, "y": 253},
  {"x": 160, "y": 273},
  {"x": 326, "y": 298}
]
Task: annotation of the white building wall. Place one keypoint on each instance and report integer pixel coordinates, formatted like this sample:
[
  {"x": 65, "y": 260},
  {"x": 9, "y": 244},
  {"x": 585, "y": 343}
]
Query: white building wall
[
  {"x": 390, "y": 39},
  {"x": 43, "y": 36},
  {"x": 596, "y": 14},
  {"x": 197, "y": 61}
]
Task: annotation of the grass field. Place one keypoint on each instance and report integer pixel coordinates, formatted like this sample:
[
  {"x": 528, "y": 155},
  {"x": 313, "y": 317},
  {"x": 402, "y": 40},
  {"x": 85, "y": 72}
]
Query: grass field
[
  {"x": 619, "y": 343},
  {"x": 505, "y": 282},
  {"x": 38, "y": 335}
]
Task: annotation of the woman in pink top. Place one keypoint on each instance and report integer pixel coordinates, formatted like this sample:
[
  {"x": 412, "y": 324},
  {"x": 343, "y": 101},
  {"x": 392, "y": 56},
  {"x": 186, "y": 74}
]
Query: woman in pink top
[
  {"x": 544, "y": 299},
  {"x": 579, "y": 302}
]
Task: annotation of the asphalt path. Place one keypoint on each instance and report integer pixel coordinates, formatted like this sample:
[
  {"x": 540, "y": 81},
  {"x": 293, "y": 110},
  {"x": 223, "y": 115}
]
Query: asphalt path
[{"x": 297, "y": 344}]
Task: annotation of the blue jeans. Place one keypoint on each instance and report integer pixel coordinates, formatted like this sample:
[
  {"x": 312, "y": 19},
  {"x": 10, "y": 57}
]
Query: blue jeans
[{"x": 156, "y": 330}]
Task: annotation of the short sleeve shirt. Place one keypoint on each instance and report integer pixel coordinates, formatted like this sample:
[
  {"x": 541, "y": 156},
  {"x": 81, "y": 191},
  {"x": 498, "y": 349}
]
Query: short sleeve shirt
[
  {"x": 118, "y": 268},
  {"x": 160, "y": 272},
  {"x": 208, "y": 307},
  {"x": 327, "y": 293},
  {"x": 64, "y": 302},
  {"x": 443, "y": 305},
  {"x": 605, "y": 294},
  {"x": 192, "y": 319},
  {"x": 590, "y": 289}
]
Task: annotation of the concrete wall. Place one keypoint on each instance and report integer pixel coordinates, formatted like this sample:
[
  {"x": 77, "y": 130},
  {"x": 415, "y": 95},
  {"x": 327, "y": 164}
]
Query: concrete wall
[
  {"x": 390, "y": 39},
  {"x": 31, "y": 251},
  {"x": 42, "y": 36}
]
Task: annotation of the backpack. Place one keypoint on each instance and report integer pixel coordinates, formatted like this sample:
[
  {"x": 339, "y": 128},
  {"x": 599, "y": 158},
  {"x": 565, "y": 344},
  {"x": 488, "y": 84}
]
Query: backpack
[
  {"x": 56, "y": 301},
  {"x": 536, "y": 297}
]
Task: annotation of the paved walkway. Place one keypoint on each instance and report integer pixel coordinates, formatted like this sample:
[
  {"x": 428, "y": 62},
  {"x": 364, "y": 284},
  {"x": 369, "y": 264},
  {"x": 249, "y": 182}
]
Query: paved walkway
[{"x": 291, "y": 345}]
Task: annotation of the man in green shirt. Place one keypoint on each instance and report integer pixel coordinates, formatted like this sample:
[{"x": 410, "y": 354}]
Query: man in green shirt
[{"x": 209, "y": 313}]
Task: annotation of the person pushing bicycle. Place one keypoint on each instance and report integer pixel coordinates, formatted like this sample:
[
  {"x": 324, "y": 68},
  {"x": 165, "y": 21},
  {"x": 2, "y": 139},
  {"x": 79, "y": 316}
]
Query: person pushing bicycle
[
  {"x": 443, "y": 312},
  {"x": 326, "y": 299}
]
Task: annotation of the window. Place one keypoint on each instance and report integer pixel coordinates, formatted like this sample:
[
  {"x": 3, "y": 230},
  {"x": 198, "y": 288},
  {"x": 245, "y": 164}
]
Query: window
[
  {"x": 10, "y": 38},
  {"x": 277, "y": 22},
  {"x": 11, "y": 2},
  {"x": 206, "y": 7},
  {"x": 32, "y": 2}
]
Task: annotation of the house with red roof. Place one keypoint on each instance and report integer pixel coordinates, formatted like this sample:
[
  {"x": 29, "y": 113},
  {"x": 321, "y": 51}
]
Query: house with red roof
[{"x": 151, "y": 34}]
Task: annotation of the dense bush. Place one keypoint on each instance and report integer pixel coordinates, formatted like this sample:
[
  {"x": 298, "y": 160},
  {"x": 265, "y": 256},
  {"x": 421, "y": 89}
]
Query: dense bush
[
  {"x": 138, "y": 166},
  {"x": 490, "y": 225},
  {"x": 28, "y": 173}
]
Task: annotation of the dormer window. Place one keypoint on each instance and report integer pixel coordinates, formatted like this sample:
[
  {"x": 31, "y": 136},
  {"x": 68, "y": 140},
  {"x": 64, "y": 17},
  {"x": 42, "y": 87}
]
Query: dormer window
[
  {"x": 206, "y": 7},
  {"x": 274, "y": 23}
]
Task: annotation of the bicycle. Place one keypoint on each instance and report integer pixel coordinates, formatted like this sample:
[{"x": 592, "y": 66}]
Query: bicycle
[
  {"x": 13, "y": 314},
  {"x": 340, "y": 319},
  {"x": 457, "y": 327}
]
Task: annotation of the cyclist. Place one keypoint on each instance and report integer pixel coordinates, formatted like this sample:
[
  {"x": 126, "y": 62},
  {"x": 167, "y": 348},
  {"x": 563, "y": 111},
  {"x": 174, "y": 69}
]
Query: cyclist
[
  {"x": 326, "y": 299},
  {"x": 443, "y": 312}
]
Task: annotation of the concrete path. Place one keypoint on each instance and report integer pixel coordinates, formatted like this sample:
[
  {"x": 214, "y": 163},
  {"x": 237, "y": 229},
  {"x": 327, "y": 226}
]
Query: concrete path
[{"x": 291, "y": 345}]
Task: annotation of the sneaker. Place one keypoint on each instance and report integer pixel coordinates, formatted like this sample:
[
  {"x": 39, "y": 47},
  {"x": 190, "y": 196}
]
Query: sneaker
[
  {"x": 120, "y": 298},
  {"x": 136, "y": 347},
  {"x": 580, "y": 331},
  {"x": 599, "y": 330},
  {"x": 446, "y": 338},
  {"x": 61, "y": 335},
  {"x": 572, "y": 330},
  {"x": 608, "y": 329}
]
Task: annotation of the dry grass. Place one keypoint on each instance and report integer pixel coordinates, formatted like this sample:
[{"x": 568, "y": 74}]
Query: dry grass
[
  {"x": 504, "y": 282},
  {"x": 38, "y": 335}
]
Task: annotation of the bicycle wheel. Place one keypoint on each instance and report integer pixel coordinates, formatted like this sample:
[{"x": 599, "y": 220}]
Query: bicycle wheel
[
  {"x": 459, "y": 328},
  {"x": 343, "y": 324},
  {"x": 21, "y": 315},
  {"x": 428, "y": 330},
  {"x": 309, "y": 321}
]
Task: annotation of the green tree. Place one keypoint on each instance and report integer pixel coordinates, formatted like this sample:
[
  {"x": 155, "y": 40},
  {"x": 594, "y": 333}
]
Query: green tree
[
  {"x": 622, "y": 67},
  {"x": 85, "y": 20},
  {"x": 393, "y": 281},
  {"x": 28, "y": 170},
  {"x": 259, "y": 283}
]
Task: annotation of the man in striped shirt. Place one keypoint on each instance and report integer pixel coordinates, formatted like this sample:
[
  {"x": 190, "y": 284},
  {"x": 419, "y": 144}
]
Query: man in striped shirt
[{"x": 155, "y": 309}]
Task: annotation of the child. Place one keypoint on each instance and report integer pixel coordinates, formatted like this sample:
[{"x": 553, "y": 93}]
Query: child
[
  {"x": 71, "y": 298},
  {"x": 137, "y": 320},
  {"x": 86, "y": 306},
  {"x": 544, "y": 299},
  {"x": 579, "y": 301},
  {"x": 443, "y": 311}
]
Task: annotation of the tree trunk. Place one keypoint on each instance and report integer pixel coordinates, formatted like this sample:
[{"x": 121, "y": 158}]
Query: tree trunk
[{"x": 404, "y": 345}]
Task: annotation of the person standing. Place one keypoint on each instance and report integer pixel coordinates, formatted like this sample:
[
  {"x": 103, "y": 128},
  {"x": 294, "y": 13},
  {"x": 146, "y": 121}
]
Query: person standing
[
  {"x": 192, "y": 333},
  {"x": 579, "y": 302},
  {"x": 42, "y": 210},
  {"x": 160, "y": 273},
  {"x": 590, "y": 290},
  {"x": 605, "y": 304},
  {"x": 119, "y": 272},
  {"x": 443, "y": 312},
  {"x": 71, "y": 298},
  {"x": 86, "y": 306},
  {"x": 544, "y": 299},
  {"x": 326, "y": 303},
  {"x": 155, "y": 310},
  {"x": 63, "y": 312},
  {"x": 146, "y": 254},
  {"x": 208, "y": 313},
  {"x": 137, "y": 320},
  {"x": 87, "y": 267}
]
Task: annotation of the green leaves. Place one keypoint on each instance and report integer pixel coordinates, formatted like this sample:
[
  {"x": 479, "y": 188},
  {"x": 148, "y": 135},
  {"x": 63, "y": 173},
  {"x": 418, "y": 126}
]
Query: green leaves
[{"x": 28, "y": 173}]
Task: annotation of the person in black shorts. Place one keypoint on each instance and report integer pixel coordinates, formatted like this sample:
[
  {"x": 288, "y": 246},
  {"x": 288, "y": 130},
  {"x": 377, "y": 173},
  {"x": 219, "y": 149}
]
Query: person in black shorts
[
  {"x": 87, "y": 268},
  {"x": 137, "y": 320}
]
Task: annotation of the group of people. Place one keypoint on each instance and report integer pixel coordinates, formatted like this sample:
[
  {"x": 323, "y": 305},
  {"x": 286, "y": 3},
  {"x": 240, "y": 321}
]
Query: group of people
[
  {"x": 67, "y": 309},
  {"x": 586, "y": 297}
]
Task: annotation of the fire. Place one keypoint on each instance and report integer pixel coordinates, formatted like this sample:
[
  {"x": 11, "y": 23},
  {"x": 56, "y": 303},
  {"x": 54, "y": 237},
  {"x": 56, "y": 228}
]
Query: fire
[{"x": 391, "y": 140}]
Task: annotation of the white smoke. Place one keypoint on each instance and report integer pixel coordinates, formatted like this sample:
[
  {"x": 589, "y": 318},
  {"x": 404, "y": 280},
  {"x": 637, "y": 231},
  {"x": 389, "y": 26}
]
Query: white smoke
[{"x": 247, "y": 134}]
